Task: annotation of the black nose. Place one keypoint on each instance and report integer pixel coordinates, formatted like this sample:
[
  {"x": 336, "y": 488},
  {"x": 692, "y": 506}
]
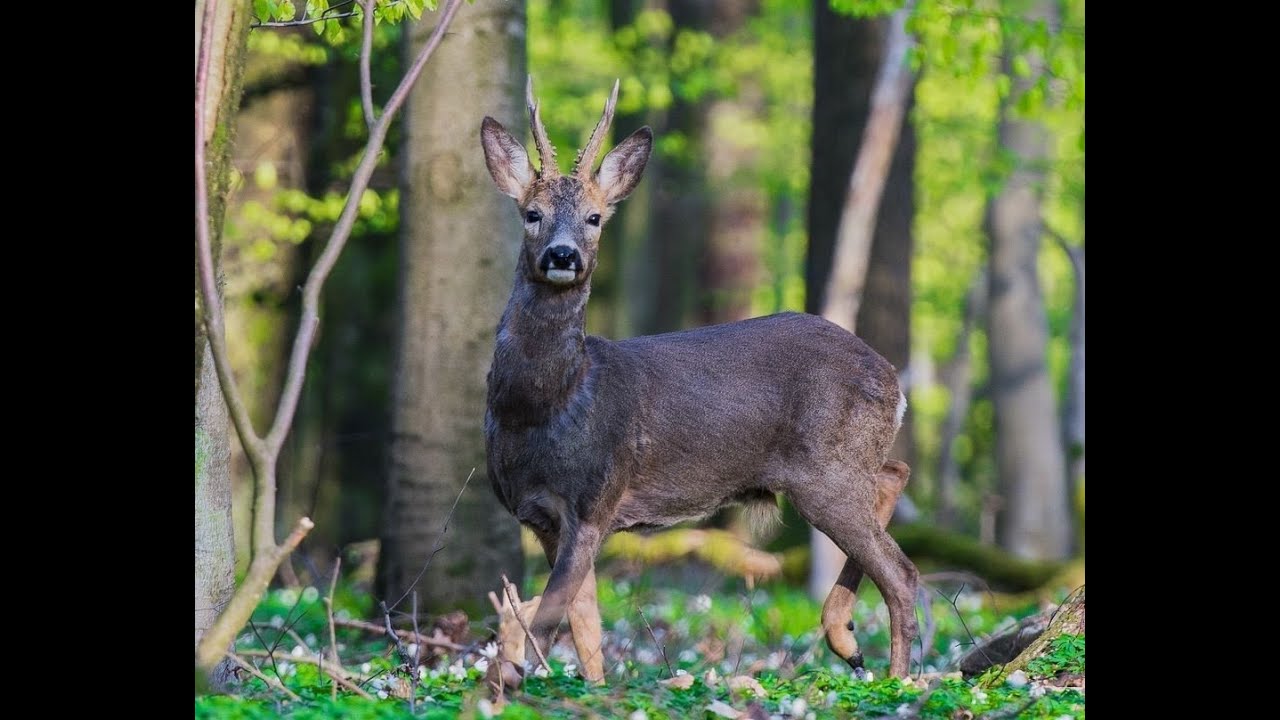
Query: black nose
[{"x": 563, "y": 257}]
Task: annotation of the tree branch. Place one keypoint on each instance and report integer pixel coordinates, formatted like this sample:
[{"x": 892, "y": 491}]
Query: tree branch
[
  {"x": 295, "y": 23},
  {"x": 366, "y": 49},
  {"x": 404, "y": 634},
  {"x": 318, "y": 662},
  {"x": 271, "y": 682},
  {"x": 515, "y": 610}
]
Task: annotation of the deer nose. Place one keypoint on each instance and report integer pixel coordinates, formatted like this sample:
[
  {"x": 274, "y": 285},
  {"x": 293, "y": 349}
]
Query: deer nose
[{"x": 563, "y": 257}]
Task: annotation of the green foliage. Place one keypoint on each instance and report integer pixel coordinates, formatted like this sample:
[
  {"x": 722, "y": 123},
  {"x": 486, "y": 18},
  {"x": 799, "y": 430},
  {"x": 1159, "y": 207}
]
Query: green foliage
[
  {"x": 782, "y": 650},
  {"x": 1066, "y": 655}
]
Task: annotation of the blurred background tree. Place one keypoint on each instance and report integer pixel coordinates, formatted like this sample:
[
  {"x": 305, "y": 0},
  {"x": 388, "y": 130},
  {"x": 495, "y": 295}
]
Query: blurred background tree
[{"x": 758, "y": 108}]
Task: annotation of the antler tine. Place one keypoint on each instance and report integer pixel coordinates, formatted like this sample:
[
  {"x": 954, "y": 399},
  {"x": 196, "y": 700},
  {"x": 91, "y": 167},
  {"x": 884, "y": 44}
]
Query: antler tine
[
  {"x": 587, "y": 156},
  {"x": 546, "y": 151}
]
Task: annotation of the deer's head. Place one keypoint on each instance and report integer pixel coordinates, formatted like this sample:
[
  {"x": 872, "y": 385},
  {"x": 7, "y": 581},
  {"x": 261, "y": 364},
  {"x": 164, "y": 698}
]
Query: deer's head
[{"x": 563, "y": 214}]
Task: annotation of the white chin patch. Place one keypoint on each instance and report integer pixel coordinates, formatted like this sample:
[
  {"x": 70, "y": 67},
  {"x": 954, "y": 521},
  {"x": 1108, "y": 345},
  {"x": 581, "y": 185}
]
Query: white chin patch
[{"x": 560, "y": 276}]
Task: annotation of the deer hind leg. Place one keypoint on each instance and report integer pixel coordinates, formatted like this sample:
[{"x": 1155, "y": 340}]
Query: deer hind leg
[
  {"x": 584, "y": 617},
  {"x": 838, "y": 608},
  {"x": 856, "y": 522}
]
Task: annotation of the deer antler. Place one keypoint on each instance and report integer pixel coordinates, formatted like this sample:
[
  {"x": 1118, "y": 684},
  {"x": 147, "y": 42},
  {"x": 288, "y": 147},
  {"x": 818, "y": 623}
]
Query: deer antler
[
  {"x": 546, "y": 151},
  {"x": 587, "y": 155}
]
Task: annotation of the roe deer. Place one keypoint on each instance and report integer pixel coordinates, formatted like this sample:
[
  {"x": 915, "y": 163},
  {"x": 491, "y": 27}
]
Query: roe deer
[{"x": 587, "y": 436}]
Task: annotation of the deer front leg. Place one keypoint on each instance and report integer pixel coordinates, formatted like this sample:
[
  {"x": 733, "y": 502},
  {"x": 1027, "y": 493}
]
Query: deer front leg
[
  {"x": 584, "y": 617},
  {"x": 574, "y": 561}
]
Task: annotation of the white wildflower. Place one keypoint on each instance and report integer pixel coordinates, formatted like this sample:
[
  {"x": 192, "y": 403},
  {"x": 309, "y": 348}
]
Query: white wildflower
[
  {"x": 485, "y": 707},
  {"x": 285, "y": 669},
  {"x": 688, "y": 656},
  {"x": 435, "y": 673},
  {"x": 570, "y": 669},
  {"x": 482, "y": 665},
  {"x": 979, "y": 696},
  {"x": 489, "y": 650},
  {"x": 969, "y": 602},
  {"x": 871, "y": 676},
  {"x": 422, "y": 673},
  {"x": 784, "y": 705},
  {"x": 298, "y": 651},
  {"x": 1017, "y": 679},
  {"x": 365, "y": 668},
  {"x": 310, "y": 639},
  {"x": 1037, "y": 691},
  {"x": 647, "y": 656},
  {"x": 377, "y": 683},
  {"x": 681, "y": 672},
  {"x": 799, "y": 707},
  {"x": 342, "y": 614},
  {"x": 904, "y": 710},
  {"x": 682, "y": 626},
  {"x": 622, "y": 587},
  {"x": 310, "y": 594},
  {"x": 277, "y": 621},
  {"x": 541, "y": 671},
  {"x": 288, "y": 597},
  {"x": 411, "y": 650},
  {"x": 638, "y": 715},
  {"x": 702, "y": 604},
  {"x": 382, "y": 694},
  {"x": 456, "y": 671}
]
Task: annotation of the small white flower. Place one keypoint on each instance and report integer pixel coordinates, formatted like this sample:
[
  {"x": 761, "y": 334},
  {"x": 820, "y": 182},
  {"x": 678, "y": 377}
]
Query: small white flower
[
  {"x": 1037, "y": 691},
  {"x": 377, "y": 683},
  {"x": 647, "y": 656},
  {"x": 978, "y": 696},
  {"x": 310, "y": 594},
  {"x": 688, "y": 656},
  {"x": 393, "y": 682},
  {"x": 681, "y": 672},
  {"x": 489, "y": 650},
  {"x": 541, "y": 671},
  {"x": 277, "y": 621},
  {"x": 799, "y": 707},
  {"x": 1017, "y": 679},
  {"x": 482, "y": 665},
  {"x": 422, "y": 673},
  {"x": 310, "y": 639},
  {"x": 411, "y": 650},
  {"x": 485, "y": 707},
  {"x": 288, "y": 597},
  {"x": 342, "y": 614},
  {"x": 831, "y": 698},
  {"x": 570, "y": 669},
  {"x": 638, "y": 715},
  {"x": 365, "y": 668},
  {"x": 435, "y": 673},
  {"x": 382, "y": 694},
  {"x": 702, "y": 604},
  {"x": 298, "y": 651},
  {"x": 622, "y": 587},
  {"x": 870, "y": 676},
  {"x": 427, "y": 699},
  {"x": 904, "y": 710},
  {"x": 784, "y": 705},
  {"x": 456, "y": 671}
]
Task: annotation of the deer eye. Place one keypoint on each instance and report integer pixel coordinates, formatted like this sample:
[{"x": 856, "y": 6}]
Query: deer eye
[
  {"x": 594, "y": 219},
  {"x": 532, "y": 216}
]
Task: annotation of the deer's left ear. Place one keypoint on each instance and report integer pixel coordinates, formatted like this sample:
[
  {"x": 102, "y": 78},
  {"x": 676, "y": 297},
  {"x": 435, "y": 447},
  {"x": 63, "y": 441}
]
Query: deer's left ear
[
  {"x": 621, "y": 169},
  {"x": 507, "y": 161}
]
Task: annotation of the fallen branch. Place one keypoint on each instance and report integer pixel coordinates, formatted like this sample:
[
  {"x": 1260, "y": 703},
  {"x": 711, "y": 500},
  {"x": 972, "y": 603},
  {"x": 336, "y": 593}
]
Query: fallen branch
[
  {"x": 270, "y": 681},
  {"x": 404, "y": 634},
  {"x": 318, "y": 661},
  {"x": 661, "y": 647}
]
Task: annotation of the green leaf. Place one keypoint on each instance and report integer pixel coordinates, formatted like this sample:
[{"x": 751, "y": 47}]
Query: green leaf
[
  {"x": 320, "y": 26},
  {"x": 414, "y": 7},
  {"x": 1021, "y": 67},
  {"x": 285, "y": 11},
  {"x": 264, "y": 9}
]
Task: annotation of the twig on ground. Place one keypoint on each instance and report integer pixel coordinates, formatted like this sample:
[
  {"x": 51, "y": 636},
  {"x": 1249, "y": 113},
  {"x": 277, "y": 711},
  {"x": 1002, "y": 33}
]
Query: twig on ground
[
  {"x": 271, "y": 682},
  {"x": 662, "y": 648},
  {"x": 963, "y": 624},
  {"x": 405, "y": 634},
  {"x": 386, "y": 616},
  {"x": 515, "y": 610},
  {"x": 328, "y": 602},
  {"x": 334, "y": 673}
]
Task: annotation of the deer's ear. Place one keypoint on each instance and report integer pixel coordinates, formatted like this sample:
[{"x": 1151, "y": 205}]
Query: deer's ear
[
  {"x": 508, "y": 162},
  {"x": 621, "y": 169}
]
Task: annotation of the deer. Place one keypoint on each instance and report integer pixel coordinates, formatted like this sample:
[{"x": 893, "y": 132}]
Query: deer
[{"x": 586, "y": 436}]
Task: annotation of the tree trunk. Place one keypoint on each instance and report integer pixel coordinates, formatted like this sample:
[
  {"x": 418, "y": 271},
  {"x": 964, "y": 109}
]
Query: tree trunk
[
  {"x": 214, "y": 546},
  {"x": 858, "y": 223},
  {"x": 459, "y": 244},
  {"x": 959, "y": 379},
  {"x": 1073, "y": 410},
  {"x": 1029, "y": 457}
]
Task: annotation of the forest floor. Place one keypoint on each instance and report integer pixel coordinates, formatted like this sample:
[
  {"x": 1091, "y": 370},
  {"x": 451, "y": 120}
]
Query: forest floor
[{"x": 703, "y": 635}]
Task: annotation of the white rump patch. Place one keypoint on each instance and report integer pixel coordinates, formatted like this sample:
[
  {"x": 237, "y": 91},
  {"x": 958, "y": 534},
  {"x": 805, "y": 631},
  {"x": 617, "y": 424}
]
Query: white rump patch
[
  {"x": 902, "y": 410},
  {"x": 561, "y": 276}
]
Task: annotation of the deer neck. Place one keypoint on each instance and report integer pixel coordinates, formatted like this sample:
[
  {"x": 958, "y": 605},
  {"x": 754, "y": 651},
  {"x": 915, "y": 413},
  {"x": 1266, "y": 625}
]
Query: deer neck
[{"x": 540, "y": 358}]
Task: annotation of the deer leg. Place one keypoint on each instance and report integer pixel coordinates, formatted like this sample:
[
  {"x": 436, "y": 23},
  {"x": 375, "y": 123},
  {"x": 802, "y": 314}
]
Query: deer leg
[
  {"x": 584, "y": 618},
  {"x": 838, "y": 608},
  {"x": 851, "y": 520},
  {"x": 575, "y": 560}
]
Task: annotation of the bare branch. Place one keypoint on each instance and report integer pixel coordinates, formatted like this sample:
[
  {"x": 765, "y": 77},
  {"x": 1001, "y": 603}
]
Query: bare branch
[
  {"x": 295, "y": 23},
  {"x": 439, "y": 538},
  {"x": 318, "y": 661},
  {"x": 661, "y": 647},
  {"x": 404, "y": 634},
  {"x": 515, "y": 610},
  {"x": 328, "y": 601},
  {"x": 366, "y": 49},
  {"x": 271, "y": 682},
  {"x": 386, "y": 616}
]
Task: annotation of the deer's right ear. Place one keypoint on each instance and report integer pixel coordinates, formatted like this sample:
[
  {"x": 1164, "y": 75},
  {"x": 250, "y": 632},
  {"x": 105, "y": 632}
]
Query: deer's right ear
[{"x": 507, "y": 160}]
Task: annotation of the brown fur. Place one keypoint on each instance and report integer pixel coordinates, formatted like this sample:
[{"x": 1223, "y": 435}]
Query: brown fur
[{"x": 587, "y": 436}]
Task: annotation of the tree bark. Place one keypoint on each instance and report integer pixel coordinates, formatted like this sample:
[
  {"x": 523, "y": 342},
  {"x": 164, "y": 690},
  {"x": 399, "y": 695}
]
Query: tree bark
[
  {"x": 1029, "y": 457},
  {"x": 214, "y": 546},
  {"x": 1073, "y": 410},
  {"x": 459, "y": 244},
  {"x": 858, "y": 220}
]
